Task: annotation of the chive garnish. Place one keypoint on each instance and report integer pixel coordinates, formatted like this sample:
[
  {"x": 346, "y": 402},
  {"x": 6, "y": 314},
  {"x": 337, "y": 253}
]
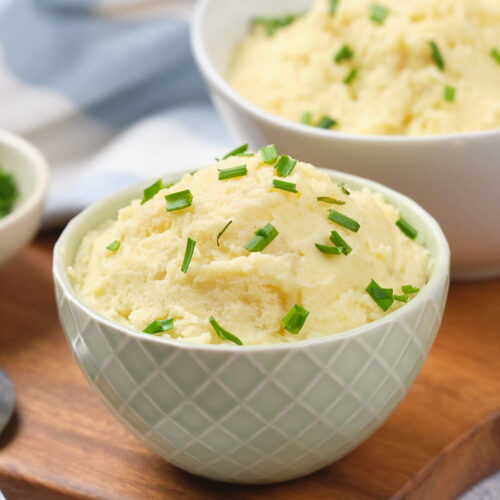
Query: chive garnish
[
  {"x": 272, "y": 24},
  {"x": 285, "y": 166},
  {"x": 236, "y": 151},
  {"x": 378, "y": 13},
  {"x": 436, "y": 55},
  {"x": 326, "y": 122},
  {"x": 269, "y": 154},
  {"x": 8, "y": 193},
  {"x": 262, "y": 238},
  {"x": 351, "y": 76},
  {"x": 329, "y": 249},
  {"x": 306, "y": 117},
  {"x": 343, "y": 188},
  {"x": 223, "y": 231},
  {"x": 150, "y": 191},
  {"x": 345, "y": 53},
  {"x": 333, "y": 4},
  {"x": 294, "y": 319},
  {"x": 344, "y": 221},
  {"x": 230, "y": 173},
  {"x": 285, "y": 186},
  {"x": 382, "y": 296},
  {"x": 188, "y": 254},
  {"x": 407, "y": 289},
  {"x": 224, "y": 334},
  {"x": 495, "y": 53},
  {"x": 407, "y": 228},
  {"x": 332, "y": 201},
  {"x": 337, "y": 240},
  {"x": 114, "y": 246},
  {"x": 179, "y": 200},
  {"x": 161, "y": 326},
  {"x": 401, "y": 298},
  {"x": 449, "y": 93}
]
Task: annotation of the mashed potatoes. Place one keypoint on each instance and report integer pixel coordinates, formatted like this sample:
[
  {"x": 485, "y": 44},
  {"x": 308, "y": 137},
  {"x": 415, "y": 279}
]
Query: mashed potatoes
[
  {"x": 387, "y": 81},
  {"x": 248, "y": 293}
]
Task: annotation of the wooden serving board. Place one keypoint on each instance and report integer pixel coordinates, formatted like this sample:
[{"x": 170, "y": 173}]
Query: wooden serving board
[{"x": 63, "y": 443}]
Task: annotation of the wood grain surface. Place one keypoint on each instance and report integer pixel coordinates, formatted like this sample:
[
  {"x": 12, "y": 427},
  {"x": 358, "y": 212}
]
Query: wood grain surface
[{"x": 63, "y": 443}]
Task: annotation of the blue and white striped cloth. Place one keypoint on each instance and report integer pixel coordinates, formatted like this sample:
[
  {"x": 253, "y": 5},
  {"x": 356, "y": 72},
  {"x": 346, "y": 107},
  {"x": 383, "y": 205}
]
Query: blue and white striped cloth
[{"x": 108, "y": 90}]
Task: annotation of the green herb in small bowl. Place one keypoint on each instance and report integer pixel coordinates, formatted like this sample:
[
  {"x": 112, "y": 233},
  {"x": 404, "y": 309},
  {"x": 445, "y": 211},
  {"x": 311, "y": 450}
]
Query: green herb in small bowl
[{"x": 8, "y": 193}]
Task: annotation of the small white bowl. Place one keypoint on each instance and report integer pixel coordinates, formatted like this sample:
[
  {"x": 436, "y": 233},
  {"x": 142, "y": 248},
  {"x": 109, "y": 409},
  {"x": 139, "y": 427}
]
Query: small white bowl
[
  {"x": 253, "y": 414},
  {"x": 455, "y": 177},
  {"x": 31, "y": 174}
]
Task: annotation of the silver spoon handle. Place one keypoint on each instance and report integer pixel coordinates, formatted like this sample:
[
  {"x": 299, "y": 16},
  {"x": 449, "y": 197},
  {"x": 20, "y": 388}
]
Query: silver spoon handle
[{"x": 7, "y": 401}]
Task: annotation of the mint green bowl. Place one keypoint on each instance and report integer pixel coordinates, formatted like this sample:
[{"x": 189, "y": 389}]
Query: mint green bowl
[{"x": 253, "y": 414}]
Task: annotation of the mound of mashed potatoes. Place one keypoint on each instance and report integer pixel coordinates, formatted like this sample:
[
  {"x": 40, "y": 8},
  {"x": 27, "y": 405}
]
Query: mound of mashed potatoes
[
  {"x": 248, "y": 293},
  {"x": 372, "y": 69}
]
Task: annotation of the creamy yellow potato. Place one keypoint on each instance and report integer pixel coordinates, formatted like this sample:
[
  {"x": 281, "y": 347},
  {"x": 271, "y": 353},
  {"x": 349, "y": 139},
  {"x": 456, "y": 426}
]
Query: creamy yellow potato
[
  {"x": 248, "y": 293},
  {"x": 394, "y": 83}
]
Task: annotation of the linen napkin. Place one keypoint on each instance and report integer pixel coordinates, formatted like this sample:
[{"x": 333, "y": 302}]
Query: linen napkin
[{"x": 108, "y": 90}]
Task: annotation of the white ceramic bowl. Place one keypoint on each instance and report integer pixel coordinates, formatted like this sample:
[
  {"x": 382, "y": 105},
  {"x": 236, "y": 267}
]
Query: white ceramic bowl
[
  {"x": 454, "y": 177},
  {"x": 253, "y": 414},
  {"x": 31, "y": 173}
]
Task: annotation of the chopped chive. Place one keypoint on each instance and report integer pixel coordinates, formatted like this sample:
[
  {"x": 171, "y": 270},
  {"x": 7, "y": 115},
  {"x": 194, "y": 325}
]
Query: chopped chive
[
  {"x": 285, "y": 186},
  {"x": 179, "y": 200},
  {"x": 224, "y": 334},
  {"x": 294, "y": 319},
  {"x": 169, "y": 185},
  {"x": 114, "y": 246},
  {"x": 272, "y": 24},
  {"x": 343, "y": 220},
  {"x": 223, "y": 231},
  {"x": 382, "y": 296},
  {"x": 8, "y": 193},
  {"x": 401, "y": 298},
  {"x": 449, "y": 93},
  {"x": 150, "y": 191},
  {"x": 351, "y": 76},
  {"x": 285, "y": 166},
  {"x": 306, "y": 117},
  {"x": 188, "y": 254},
  {"x": 378, "y": 13},
  {"x": 407, "y": 228},
  {"x": 161, "y": 326},
  {"x": 343, "y": 188},
  {"x": 436, "y": 55},
  {"x": 333, "y": 4},
  {"x": 337, "y": 240},
  {"x": 236, "y": 151},
  {"x": 345, "y": 53},
  {"x": 193, "y": 172},
  {"x": 495, "y": 53},
  {"x": 407, "y": 289},
  {"x": 328, "y": 249},
  {"x": 262, "y": 238},
  {"x": 332, "y": 201},
  {"x": 230, "y": 173},
  {"x": 326, "y": 122},
  {"x": 269, "y": 154}
]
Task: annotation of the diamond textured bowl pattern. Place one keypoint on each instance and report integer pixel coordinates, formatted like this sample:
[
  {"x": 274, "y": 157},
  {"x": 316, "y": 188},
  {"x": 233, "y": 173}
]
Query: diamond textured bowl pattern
[{"x": 253, "y": 416}]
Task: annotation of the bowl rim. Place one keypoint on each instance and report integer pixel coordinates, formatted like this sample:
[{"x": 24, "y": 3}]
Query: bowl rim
[
  {"x": 439, "y": 274},
  {"x": 40, "y": 169},
  {"x": 214, "y": 78}
]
